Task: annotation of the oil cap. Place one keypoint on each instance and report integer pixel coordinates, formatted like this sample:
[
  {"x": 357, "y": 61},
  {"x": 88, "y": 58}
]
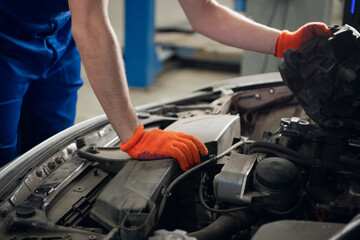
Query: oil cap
[{"x": 275, "y": 175}]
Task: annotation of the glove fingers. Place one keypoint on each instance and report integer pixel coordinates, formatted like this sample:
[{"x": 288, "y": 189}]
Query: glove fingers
[
  {"x": 181, "y": 158},
  {"x": 199, "y": 145},
  {"x": 195, "y": 157},
  {"x": 187, "y": 152},
  {"x": 313, "y": 29}
]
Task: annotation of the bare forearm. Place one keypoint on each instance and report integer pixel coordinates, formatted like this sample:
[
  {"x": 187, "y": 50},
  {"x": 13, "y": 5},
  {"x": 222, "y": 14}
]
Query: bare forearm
[
  {"x": 102, "y": 59},
  {"x": 229, "y": 27},
  {"x": 105, "y": 70}
]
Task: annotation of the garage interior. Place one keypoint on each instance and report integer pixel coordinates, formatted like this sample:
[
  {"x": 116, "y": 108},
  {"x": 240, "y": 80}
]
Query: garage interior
[
  {"x": 267, "y": 149},
  {"x": 183, "y": 71}
]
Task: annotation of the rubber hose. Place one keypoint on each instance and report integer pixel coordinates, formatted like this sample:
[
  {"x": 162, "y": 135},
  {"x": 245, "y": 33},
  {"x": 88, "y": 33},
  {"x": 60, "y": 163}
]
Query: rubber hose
[{"x": 223, "y": 227}]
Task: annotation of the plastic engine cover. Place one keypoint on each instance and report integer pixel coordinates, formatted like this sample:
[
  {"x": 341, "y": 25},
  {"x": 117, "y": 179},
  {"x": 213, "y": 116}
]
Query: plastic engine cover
[
  {"x": 129, "y": 200},
  {"x": 218, "y": 132}
]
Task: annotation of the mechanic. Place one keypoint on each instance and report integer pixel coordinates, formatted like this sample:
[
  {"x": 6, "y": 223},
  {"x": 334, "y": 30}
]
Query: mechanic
[{"x": 40, "y": 71}]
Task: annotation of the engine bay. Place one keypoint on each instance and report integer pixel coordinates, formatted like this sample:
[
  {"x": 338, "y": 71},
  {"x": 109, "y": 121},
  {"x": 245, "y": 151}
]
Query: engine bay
[{"x": 278, "y": 168}]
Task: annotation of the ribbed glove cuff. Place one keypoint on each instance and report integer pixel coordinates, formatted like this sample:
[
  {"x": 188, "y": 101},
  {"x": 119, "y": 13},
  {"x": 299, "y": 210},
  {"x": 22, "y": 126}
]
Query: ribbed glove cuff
[
  {"x": 280, "y": 45},
  {"x": 133, "y": 140}
]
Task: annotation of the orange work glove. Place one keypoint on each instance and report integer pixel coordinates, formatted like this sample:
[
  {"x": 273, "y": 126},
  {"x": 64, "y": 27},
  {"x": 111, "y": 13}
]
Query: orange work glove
[
  {"x": 159, "y": 144},
  {"x": 295, "y": 39}
]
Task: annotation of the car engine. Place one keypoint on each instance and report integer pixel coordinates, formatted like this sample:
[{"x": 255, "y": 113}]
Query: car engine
[{"x": 283, "y": 163}]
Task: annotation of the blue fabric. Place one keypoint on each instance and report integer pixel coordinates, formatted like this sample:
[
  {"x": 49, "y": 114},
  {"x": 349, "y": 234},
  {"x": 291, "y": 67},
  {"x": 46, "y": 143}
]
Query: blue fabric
[
  {"x": 39, "y": 79},
  {"x": 35, "y": 10}
]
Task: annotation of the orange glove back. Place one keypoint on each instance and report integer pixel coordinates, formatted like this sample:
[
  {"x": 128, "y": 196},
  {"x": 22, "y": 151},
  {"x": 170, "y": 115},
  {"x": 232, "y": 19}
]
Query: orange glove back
[
  {"x": 295, "y": 39},
  {"x": 159, "y": 144}
]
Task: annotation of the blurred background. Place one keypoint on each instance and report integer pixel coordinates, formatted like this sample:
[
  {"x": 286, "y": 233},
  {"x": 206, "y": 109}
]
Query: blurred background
[{"x": 166, "y": 60}]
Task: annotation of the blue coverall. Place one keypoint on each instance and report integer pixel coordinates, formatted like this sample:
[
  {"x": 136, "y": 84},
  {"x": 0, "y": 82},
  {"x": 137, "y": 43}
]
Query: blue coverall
[{"x": 39, "y": 73}]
